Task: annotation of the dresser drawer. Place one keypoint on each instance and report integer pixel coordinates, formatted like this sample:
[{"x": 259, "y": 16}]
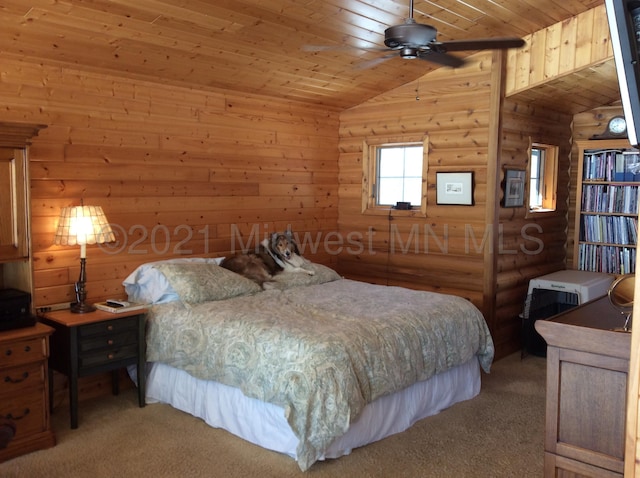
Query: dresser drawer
[
  {"x": 28, "y": 411},
  {"x": 109, "y": 355},
  {"x": 22, "y": 351},
  {"x": 108, "y": 327},
  {"x": 108, "y": 340},
  {"x": 17, "y": 379}
]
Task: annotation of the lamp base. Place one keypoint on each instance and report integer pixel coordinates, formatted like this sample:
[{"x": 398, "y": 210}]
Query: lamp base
[{"x": 82, "y": 308}]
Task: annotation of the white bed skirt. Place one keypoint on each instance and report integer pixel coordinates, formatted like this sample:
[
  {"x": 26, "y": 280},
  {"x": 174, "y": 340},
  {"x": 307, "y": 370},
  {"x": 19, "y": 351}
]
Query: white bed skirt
[{"x": 264, "y": 424}]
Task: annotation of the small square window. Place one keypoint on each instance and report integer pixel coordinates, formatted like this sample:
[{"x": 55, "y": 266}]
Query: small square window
[
  {"x": 394, "y": 172},
  {"x": 399, "y": 175}
]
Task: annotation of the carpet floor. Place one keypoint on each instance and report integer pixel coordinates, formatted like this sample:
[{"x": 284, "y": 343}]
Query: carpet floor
[{"x": 499, "y": 433}]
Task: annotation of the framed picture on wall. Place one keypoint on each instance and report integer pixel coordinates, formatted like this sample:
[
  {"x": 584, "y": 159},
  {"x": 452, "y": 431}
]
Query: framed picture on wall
[
  {"x": 454, "y": 188},
  {"x": 513, "y": 188}
]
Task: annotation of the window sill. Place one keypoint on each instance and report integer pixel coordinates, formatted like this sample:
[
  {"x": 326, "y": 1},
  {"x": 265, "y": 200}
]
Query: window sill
[
  {"x": 540, "y": 212},
  {"x": 389, "y": 211}
]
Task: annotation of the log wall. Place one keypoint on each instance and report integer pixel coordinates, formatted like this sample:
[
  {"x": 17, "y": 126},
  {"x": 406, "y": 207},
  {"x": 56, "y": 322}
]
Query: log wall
[
  {"x": 177, "y": 171},
  {"x": 486, "y": 253},
  {"x": 442, "y": 251},
  {"x": 536, "y": 242}
]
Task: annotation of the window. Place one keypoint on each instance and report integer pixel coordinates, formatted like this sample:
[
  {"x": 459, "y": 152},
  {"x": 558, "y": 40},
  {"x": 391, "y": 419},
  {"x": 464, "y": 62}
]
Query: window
[
  {"x": 394, "y": 171},
  {"x": 399, "y": 175},
  {"x": 543, "y": 172},
  {"x": 536, "y": 178}
]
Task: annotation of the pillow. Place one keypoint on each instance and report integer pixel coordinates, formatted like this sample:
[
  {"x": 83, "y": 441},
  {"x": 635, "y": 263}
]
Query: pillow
[
  {"x": 286, "y": 280},
  {"x": 147, "y": 285},
  {"x": 197, "y": 283}
]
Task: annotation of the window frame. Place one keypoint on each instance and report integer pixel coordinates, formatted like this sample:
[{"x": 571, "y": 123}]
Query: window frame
[
  {"x": 369, "y": 174},
  {"x": 549, "y": 178}
]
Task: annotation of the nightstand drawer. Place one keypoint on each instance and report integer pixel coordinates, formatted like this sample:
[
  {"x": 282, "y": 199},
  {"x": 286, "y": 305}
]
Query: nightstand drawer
[
  {"x": 15, "y": 380},
  {"x": 105, "y": 356},
  {"x": 23, "y": 351},
  {"x": 110, "y": 340},
  {"x": 109, "y": 326},
  {"x": 27, "y": 411}
]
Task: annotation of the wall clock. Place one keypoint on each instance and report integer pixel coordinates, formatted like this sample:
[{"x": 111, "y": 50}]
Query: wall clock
[{"x": 616, "y": 128}]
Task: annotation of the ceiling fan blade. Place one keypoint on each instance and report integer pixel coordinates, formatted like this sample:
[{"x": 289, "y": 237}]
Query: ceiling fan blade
[
  {"x": 374, "y": 62},
  {"x": 316, "y": 48},
  {"x": 478, "y": 44},
  {"x": 441, "y": 58}
]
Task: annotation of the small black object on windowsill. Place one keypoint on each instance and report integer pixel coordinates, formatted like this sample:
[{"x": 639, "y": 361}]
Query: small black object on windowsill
[{"x": 402, "y": 206}]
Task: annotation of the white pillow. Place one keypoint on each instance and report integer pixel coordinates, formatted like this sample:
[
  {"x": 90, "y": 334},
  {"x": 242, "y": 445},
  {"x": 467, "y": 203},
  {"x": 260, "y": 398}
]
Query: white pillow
[{"x": 147, "y": 285}]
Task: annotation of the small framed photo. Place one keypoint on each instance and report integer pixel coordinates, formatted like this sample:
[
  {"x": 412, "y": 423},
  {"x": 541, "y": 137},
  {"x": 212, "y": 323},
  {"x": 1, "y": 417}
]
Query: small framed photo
[
  {"x": 513, "y": 188},
  {"x": 454, "y": 188}
]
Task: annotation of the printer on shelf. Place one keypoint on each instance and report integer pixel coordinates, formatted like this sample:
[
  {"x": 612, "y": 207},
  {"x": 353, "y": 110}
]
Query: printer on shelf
[{"x": 15, "y": 309}]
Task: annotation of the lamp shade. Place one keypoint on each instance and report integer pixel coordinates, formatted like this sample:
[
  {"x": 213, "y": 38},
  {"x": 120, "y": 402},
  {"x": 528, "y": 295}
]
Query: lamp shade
[{"x": 83, "y": 225}]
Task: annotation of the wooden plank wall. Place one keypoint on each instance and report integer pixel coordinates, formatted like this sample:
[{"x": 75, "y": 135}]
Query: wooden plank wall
[
  {"x": 561, "y": 49},
  {"x": 457, "y": 122},
  {"x": 181, "y": 172},
  {"x": 177, "y": 171},
  {"x": 454, "y": 110},
  {"x": 435, "y": 252}
]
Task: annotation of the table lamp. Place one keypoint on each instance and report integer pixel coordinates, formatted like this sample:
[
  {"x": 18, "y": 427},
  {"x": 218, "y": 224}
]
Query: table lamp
[{"x": 83, "y": 225}]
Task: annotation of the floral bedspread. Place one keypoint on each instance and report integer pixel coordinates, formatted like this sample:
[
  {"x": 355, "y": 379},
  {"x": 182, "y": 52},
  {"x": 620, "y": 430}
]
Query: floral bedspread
[{"x": 322, "y": 352}]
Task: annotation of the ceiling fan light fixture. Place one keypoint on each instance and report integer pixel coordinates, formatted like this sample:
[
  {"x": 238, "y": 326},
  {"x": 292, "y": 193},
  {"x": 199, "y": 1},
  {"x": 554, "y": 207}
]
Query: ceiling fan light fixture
[
  {"x": 416, "y": 40},
  {"x": 409, "y": 53},
  {"x": 409, "y": 34}
]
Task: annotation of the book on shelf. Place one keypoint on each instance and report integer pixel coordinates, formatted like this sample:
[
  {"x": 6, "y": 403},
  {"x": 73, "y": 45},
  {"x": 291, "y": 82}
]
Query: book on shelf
[
  {"x": 616, "y": 230},
  {"x": 612, "y": 165},
  {"x": 608, "y": 259},
  {"x": 119, "y": 307}
]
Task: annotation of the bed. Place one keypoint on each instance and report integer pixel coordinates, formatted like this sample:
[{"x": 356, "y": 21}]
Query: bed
[{"x": 312, "y": 367}]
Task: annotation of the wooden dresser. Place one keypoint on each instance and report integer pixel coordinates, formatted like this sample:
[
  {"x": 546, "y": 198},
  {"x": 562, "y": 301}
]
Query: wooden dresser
[
  {"x": 587, "y": 369},
  {"x": 24, "y": 389}
]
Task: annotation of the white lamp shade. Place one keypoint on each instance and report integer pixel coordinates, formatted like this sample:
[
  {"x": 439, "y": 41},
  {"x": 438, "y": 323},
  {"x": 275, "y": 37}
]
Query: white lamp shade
[{"x": 83, "y": 225}]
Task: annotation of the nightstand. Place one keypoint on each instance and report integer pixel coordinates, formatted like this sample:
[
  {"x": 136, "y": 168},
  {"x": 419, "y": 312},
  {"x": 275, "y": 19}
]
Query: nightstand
[
  {"x": 24, "y": 391},
  {"x": 96, "y": 342}
]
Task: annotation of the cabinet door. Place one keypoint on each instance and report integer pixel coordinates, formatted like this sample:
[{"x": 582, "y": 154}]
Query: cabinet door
[
  {"x": 586, "y": 407},
  {"x": 13, "y": 203}
]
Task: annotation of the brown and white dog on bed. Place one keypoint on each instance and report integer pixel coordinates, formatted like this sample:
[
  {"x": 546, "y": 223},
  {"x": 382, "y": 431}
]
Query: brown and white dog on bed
[{"x": 278, "y": 254}]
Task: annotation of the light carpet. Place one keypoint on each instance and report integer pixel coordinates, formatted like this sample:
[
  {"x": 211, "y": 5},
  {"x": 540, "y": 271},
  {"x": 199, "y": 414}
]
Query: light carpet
[{"x": 499, "y": 433}]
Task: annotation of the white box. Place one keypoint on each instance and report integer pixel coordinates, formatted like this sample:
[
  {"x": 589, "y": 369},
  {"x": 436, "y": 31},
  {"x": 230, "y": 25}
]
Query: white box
[
  {"x": 554, "y": 293},
  {"x": 585, "y": 285}
]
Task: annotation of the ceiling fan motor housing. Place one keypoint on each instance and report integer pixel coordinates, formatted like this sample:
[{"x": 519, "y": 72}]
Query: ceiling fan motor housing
[{"x": 410, "y": 34}]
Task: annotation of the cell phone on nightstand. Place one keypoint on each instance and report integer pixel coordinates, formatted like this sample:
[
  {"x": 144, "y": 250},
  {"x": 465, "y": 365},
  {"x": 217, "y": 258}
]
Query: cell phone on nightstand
[{"x": 117, "y": 303}]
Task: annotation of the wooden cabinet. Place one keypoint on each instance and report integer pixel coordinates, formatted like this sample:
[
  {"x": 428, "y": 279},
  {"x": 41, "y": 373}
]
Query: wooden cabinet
[
  {"x": 13, "y": 187},
  {"x": 607, "y": 206},
  {"x": 96, "y": 342},
  {"x": 24, "y": 393},
  {"x": 587, "y": 369},
  {"x": 15, "y": 262}
]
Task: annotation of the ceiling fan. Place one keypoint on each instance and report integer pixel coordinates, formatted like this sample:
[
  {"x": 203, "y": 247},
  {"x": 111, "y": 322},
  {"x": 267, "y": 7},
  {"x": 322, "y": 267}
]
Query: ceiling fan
[{"x": 415, "y": 40}]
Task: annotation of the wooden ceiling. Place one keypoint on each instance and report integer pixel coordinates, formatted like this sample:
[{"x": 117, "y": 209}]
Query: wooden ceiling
[{"x": 258, "y": 46}]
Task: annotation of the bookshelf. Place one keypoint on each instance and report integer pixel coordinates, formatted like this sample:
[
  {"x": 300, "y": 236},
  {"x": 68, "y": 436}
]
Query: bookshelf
[{"x": 607, "y": 206}]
